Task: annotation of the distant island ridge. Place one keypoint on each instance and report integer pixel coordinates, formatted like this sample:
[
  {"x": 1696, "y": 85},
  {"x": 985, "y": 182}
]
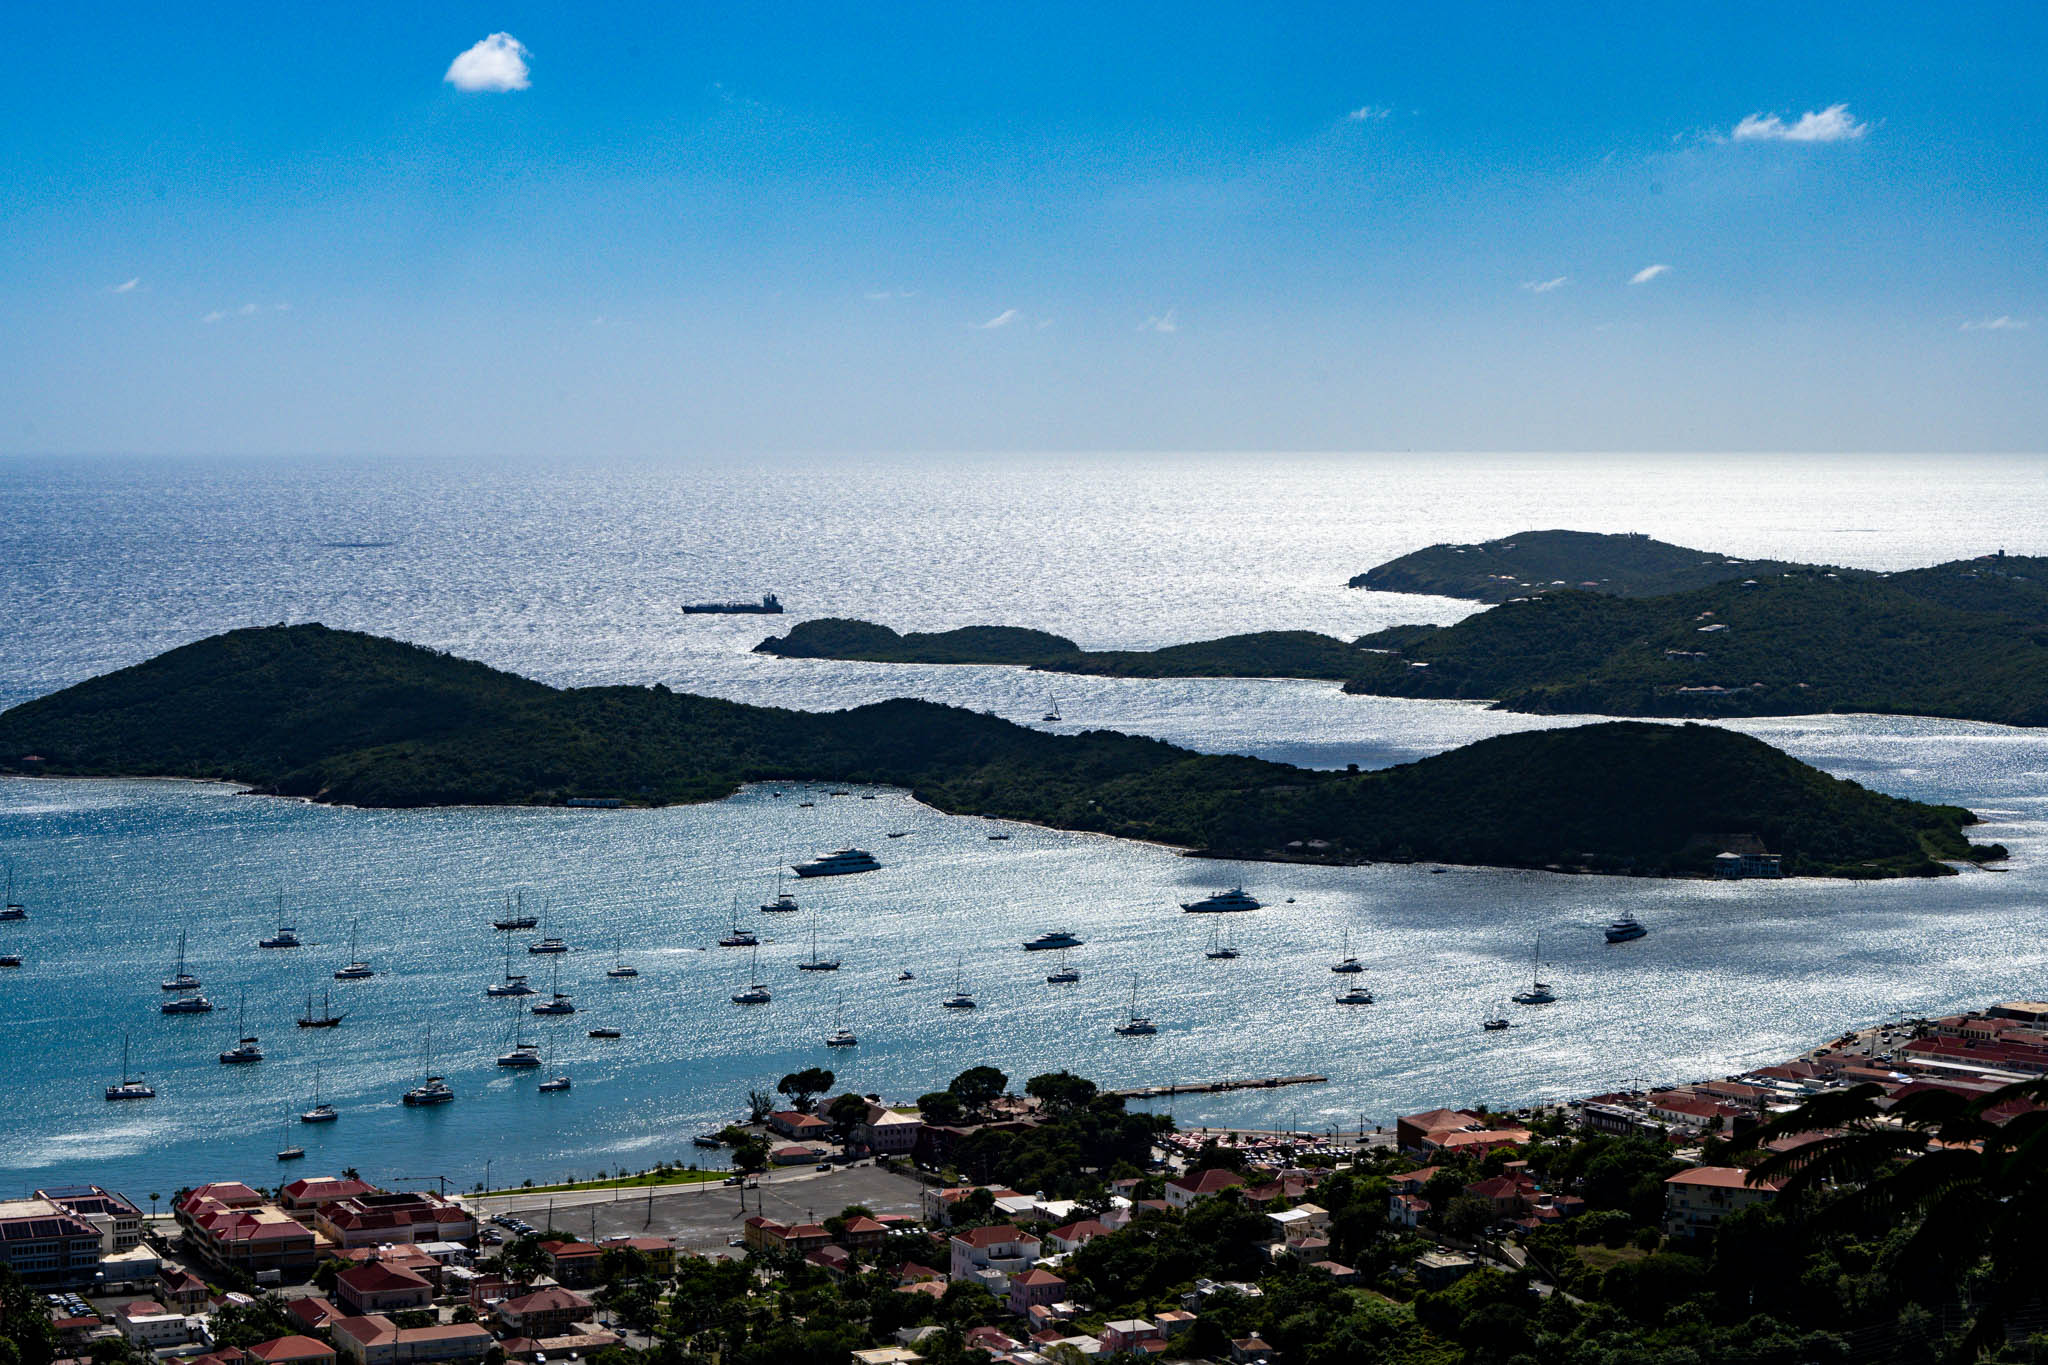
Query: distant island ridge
[
  {"x": 345, "y": 717},
  {"x": 1964, "y": 640}
]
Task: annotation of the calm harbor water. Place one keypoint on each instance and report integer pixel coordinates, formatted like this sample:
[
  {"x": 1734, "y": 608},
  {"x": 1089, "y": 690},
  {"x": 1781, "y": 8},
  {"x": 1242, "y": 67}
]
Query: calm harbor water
[{"x": 572, "y": 574}]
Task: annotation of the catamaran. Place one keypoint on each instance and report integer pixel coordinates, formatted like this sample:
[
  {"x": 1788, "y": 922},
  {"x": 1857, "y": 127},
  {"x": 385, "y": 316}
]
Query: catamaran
[
  {"x": 513, "y": 985},
  {"x": 1348, "y": 964},
  {"x": 524, "y": 1056},
  {"x": 959, "y": 999},
  {"x": 753, "y": 993},
  {"x": 841, "y": 1035},
  {"x": 737, "y": 937},
  {"x": 1357, "y": 995},
  {"x": 432, "y": 1089},
  {"x": 557, "y": 1003},
  {"x": 186, "y": 1004},
  {"x": 181, "y": 980},
  {"x": 129, "y": 1087},
  {"x": 1136, "y": 1025},
  {"x": 357, "y": 969},
  {"x": 1538, "y": 991},
  {"x": 245, "y": 1049},
  {"x": 784, "y": 903},
  {"x": 620, "y": 970},
  {"x": 546, "y": 943},
  {"x": 286, "y": 936},
  {"x": 321, "y": 1112}
]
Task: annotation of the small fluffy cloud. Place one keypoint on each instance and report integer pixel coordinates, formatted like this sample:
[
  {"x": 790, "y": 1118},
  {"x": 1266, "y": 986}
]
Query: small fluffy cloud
[
  {"x": 1163, "y": 323},
  {"x": 2001, "y": 323},
  {"x": 215, "y": 316},
  {"x": 1369, "y": 113},
  {"x": 498, "y": 63},
  {"x": 1002, "y": 319},
  {"x": 126, "y": 286},
  {"x": 1648, "y": 273},
  {"x": 1832, "y": 124},
  {"x": 1545, "y": 286}
]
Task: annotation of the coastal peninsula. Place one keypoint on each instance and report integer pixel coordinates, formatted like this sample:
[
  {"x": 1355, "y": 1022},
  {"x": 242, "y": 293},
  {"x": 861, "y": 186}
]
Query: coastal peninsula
[{"x": 351, "y": 718}]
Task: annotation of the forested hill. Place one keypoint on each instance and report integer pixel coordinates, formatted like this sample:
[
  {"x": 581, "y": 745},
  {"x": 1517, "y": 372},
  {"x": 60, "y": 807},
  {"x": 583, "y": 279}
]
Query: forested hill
[
  {"x": 345, "y": 717},
  {"x": 1261, "y": 654},
  {"x": 1550, "y": 561},
  {"x": 1788, "y": 645}
]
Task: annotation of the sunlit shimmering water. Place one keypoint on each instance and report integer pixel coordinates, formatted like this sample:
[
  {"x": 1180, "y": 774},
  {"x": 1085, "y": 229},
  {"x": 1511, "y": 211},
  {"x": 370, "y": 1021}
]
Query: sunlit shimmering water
[{"x": 572, "y": 574}]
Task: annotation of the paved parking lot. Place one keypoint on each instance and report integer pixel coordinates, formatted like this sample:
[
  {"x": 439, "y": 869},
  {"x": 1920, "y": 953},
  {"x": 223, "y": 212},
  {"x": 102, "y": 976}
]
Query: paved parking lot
[{"x": 702, "y": 1217}]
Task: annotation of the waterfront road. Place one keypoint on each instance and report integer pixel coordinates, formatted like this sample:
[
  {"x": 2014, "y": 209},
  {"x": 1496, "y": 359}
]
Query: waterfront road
[{"x": 703, "y": 1217}]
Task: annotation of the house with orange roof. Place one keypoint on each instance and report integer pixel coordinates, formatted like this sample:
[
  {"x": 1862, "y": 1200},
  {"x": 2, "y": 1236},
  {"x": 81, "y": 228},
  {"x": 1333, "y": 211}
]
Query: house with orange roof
[
  {"x": 1695, "y": 1201},
  {"x": 293, "y": 1350}
]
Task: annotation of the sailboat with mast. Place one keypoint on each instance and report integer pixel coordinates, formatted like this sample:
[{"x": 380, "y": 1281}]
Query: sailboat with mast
[
  {"x": 1052, "y": 710},
  {"x": 817, "y": 964},
  {"x": 129, "y": 1087},
  {"x": 180, "y": 979},
  {"x": 524, "y": 1056},
  {"x": 960, "y": 999},
  {"x": 620, "y": 970},
  {"x": 546, "y": 943},
  {"x": 245, "y": 1049},
  {"x": 13, "y": 909},
  {"x": 357, "y": 969},
  {"x": 1063, "y": 975},
  {"x": 432, "y": 1089},
  {"x": 515, "y": 918},
  {"x": 737, "y": 937},
  {"x": 514, "y": 983},
  {"x": 1219, "y": 950},
  {"x": 286, "y": 936},
  {"x": 321, "y": 1112},
  {"x": 1538, "y": 991},
  {"x": 557, "y": 1003},
  {"x": 1348, "y": 964},
  {"x": 291, "y": 1151},
  {"x": 557, "y": 1082},
  {"x": 784, "y": 903},
  {"x": 841, "y": 1035},
  {"x": 1136, "y": 1025},
  {"x": 326, "y": 1018},
  {"x": 753, "y": 993}
]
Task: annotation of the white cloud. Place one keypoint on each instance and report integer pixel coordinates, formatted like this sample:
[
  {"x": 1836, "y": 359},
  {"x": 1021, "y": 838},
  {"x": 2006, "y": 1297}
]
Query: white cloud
[
  {"x": 1369, "y": 113},
  {"x": 1832, "y": 124},
  {"x": 1002, "y": 319},
  {"x": 2001, "y": 323},
  {"x": 1648, "y": 273},
  {"x": 497, "y": 63},
  {"x": 1164, "y": 323},
  {"x": 883, "y": 295},
  {"x": 126, "y": 286},
  {"x": 1545, "y": 286},
  {"x": 215, "y": 316}
]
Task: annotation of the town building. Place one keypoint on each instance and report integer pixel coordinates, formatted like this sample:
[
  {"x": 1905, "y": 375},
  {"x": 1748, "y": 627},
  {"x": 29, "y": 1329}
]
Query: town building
[
  {"x": 377, "y": 1217},
  {"x": 380, "y": 1287},
  {"x": 151, "y": 1326},
  {"x": 1695, "y": 1201},
  {"x": 376, "y": 1340},
  {"x": 543, "y": 1312},
  {"x": 233, "y": 1228},
  {"x": 293, "y": 1350},
  {"x": 1184, "y": 1191},
  {"x": 989, "y": 1256},
  {"x": 883, "y": 1131},
  {"x": 47, "y": 1245}
]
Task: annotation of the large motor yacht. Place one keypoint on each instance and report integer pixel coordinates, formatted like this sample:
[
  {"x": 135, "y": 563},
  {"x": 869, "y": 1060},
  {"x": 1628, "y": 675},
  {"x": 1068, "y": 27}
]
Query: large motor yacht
[
  {"x": 1625, "y": 929},
  {"x": 1056, "y": 938},
  {"x": 1221, "y": 902},
  {"x": 838, "y": 864}
]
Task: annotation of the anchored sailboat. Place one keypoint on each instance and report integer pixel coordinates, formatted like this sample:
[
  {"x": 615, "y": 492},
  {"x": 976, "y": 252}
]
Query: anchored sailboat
[
  {"x": 130, "y": 1087},
  {"x": 181, "y": 980},
  {"x": 1136, "y": 1025},
  {"x": 1538, "y": 991},
  {"x": 357, "y": 969},
  {"x": 326, "y": 1018},
  {"x": 321, "y": 1112}
]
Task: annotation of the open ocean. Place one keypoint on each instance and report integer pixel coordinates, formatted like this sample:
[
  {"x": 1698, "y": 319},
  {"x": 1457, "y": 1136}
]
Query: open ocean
[{"x": 572, "y": 573}]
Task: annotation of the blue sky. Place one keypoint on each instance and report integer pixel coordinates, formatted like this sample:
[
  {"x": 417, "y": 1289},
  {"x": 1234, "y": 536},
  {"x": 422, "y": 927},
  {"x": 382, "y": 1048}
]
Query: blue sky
[{"x": 688, "y": 229}]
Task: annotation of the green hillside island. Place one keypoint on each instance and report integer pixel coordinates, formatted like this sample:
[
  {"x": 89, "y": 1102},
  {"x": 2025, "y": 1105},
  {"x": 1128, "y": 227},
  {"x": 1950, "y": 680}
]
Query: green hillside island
[
  {"x": 350, "y": 718},
  {"x": 1262, "y": 654},
  {"x": 1550, "y": 561},
  {"x": 1790, "y": 645}
]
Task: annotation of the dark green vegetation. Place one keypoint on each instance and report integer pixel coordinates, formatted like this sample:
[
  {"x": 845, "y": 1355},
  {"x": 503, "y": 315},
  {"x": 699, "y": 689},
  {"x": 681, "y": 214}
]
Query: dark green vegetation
[
  {"x": 1551, "y": 561},
  {"x": 1264, "y": 654},
  {"x": 344, "y": 717},
  {"x": 1787, "y": 645}
]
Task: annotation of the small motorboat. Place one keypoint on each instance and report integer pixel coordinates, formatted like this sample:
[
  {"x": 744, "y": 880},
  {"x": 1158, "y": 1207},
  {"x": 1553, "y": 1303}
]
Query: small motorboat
[{"x": 606, "y": 1032}]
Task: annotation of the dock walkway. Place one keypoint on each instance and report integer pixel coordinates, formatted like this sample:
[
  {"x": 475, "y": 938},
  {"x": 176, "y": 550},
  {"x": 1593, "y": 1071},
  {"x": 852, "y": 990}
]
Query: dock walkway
[{"x": 1156, "y": 1092}]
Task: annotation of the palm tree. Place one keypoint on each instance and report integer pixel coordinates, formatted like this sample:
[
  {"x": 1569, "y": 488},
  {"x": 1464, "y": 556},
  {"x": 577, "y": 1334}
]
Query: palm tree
[{"x": 1967, "y": 1174}]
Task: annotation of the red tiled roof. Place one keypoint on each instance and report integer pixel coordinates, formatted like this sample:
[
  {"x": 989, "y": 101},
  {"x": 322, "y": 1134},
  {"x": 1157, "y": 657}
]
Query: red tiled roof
[
  {"x": 1719, "y": 1178},
  {"x": 984, "y": 1237},
  {"x": 1212, "y": 1181},
  {"x": 292, "y": 1348}
]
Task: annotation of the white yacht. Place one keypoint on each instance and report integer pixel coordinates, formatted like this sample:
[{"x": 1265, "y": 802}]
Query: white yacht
[
  {"x": 1626, "y": 929},
  {"x": 1056, "y": 938},
  {"x": 1221, "y": 903},
  {"x": 129, "y": 1087},
  {"x": 1348, "y": 964},
  {"x": 522, "y": 1057},
  {"x": 181, "y": 980},
  {"x": 838, "y": 864},
  {"x": 286, "y": 936},
  {"x": 357, "y": 969},
  {"x": 186, "y": 1004},
  {"x": 620, "y": 970},
  {"x": 547, "y": 945},
  {"x": 1136, "y": 1025},
  {"x": 1357, "y": 995},
  {"x": 1052, "y": 710},
  {"x": 245, "y": 1049},
  {"x": 841, "y": 1035},
  {"x": 554, "y": 1083}
]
